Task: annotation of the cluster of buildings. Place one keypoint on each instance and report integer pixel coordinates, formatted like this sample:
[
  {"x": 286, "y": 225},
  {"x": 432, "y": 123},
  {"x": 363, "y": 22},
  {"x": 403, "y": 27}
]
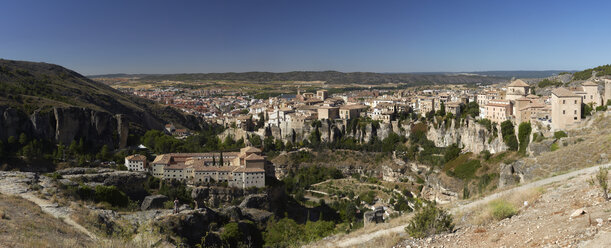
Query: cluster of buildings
[
  {"x": 515, "y": 102},
  {"x": 561, "y": 110},
  {"x": 243, "y": 169},
  {"x": 208, "y": 103}
]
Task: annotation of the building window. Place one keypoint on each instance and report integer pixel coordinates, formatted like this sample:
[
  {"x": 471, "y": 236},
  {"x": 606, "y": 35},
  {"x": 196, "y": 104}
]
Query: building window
[
  {"x": 563, "y": 111},
  {"x": 563, "y": 101}
]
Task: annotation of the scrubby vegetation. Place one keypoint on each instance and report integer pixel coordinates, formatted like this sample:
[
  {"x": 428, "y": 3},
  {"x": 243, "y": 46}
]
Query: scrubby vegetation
[
  {"x": 524, "y": 130},
  {"x": 502, "y": 209},
  {"x": 546, "y": 83},
  {"x": 602, "y": 178},
  {"x": 509, "y": 137},
  {"x": 429, "y": 220},
  {"x": 586, "y": 74},
  {"x": 560, "y": 134}
]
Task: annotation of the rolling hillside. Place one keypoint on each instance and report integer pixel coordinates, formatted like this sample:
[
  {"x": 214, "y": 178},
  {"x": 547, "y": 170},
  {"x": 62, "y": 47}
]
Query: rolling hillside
[{"x": 30, "y": 86}]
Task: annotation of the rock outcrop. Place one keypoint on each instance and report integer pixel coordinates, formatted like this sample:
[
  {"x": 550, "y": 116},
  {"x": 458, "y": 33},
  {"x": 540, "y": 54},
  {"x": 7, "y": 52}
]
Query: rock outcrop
[
  {"x": 153, "y": 201},
  {"x": 259, "y": 201},
  {"x": 66, "y": 124},
  {"x": 190, "y": 225},
  {"x": 213, "y": 196},
  {"x": 469, "y": 135},
  {"x": 132, "y": 183}
]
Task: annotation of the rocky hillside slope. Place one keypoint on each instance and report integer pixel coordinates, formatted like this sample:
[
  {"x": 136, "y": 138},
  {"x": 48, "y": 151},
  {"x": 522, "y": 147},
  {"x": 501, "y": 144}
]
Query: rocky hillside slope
[{"x": 50, "y": 102}]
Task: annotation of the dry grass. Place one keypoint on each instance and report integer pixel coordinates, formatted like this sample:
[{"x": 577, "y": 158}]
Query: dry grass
[
  {"x": 25, "y": 225},
  {"x": 386, "y": 241},
  {"x": 484, "y": 213}
]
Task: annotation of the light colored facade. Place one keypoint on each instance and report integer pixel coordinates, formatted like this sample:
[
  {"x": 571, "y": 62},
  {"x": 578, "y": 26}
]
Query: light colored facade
[
  {"x": 607, "y": 90},
  {"x": 348, "y": 112},
  {"x": 136, "y": 162},
  {"x": 453, "y": 107},
  {"x": 499, "y": 110},
  {"x": 566, "y": 108},
  {"x": 322, "y": 94},
  {"x": 247, "y": 177},
  {"x": 248, "y": 166},
  {"x": 327, "y": 112},
  {"x": 517, "y": 89},
  {"x": 591, "y": 94},
  {"x": 426, "y": 105}
]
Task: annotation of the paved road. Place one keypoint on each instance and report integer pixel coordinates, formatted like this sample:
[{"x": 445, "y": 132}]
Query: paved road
[{"x": 355, "y": 241}]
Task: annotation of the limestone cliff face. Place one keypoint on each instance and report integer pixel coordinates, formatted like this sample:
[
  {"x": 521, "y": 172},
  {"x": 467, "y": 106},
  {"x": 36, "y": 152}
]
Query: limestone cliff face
[
  {"x": 329, "y": 131},
  {"x": 63, "y": 125},
  {"x": 471, "y": 136}
]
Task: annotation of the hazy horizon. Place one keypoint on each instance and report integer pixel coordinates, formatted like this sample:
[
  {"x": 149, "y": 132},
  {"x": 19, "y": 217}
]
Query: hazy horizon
[{"x": 159, "y": 37}]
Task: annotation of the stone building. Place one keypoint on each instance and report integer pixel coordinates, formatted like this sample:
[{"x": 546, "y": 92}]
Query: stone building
[
  {"x": 592, "y": 96},
  {"x": 499, "y": 110},
  {"x": 322, "y": 94},
  {"x": 517, "y": 89},
  {"x": 328, "y": 112},
  {"x": 347, "y": 112},
  {"x": 566, "y": 108}
]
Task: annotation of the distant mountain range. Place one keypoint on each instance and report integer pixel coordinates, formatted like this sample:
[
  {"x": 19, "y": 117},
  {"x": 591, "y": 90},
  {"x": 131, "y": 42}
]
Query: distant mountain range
[{"x": 335, "y": 77}]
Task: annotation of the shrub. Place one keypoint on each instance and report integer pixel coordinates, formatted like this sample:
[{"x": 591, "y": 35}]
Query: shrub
[
  {"x": 546, "y": 82},
  {"x": 85, "y": 192},
  {"x": 502, "y": 209},
  {"x": 451, "y": 152},
  {"x": 602, "y": 178},
  {"x": 554, "y": 147},
  {"x": 560, "y": 134},
  {"x": 111, "y": 195},
  {"x": 429, "y": 220},
  {"x": 485, "y": 154},
  {"x": 54, "y": 176}
]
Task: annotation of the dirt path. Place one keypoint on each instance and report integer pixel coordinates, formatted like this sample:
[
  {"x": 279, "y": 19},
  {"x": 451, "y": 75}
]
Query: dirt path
[
  {"x": 356, "y": 241},
  {"x": 17, "y": 184}
]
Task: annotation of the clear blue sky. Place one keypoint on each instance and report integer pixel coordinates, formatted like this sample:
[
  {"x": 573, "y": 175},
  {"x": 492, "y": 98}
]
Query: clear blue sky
[{"x": 94, "y": 37}]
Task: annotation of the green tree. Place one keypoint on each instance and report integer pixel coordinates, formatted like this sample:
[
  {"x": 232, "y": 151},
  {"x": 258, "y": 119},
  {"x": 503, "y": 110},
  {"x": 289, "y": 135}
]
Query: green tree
[
  {"x": 586, "y": 110},
  {"x": 282, "y": 233},
  {"x": 524, "y": 130},
  {"x": 231, "y": 234},
  {"x": 442, "y": 110},
  {"x": 318, "y": 229},
  {"x": 23, "y": 139},
  {"x": 104, "y": 153},
  {"x": 509, "y": 137},
  {"x": 472, "y": 109}
]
